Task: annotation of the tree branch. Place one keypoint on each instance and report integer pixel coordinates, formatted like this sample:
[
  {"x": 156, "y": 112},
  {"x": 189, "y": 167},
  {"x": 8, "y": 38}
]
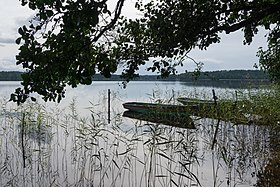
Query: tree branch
[
  {"x": 113, "y": 22},
  {"x": 256, "y": 17}
]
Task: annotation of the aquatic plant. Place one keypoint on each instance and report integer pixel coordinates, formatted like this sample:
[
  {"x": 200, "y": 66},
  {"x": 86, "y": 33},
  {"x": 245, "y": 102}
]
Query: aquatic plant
[{"x": 59, "y": 147}]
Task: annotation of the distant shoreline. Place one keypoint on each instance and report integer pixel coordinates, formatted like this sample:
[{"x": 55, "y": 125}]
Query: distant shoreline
[{"x": 225, "y": 75}]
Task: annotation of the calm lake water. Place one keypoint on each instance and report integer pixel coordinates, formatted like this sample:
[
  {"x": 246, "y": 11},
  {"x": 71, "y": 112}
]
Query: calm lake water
[{"x": 73, "y": 143}]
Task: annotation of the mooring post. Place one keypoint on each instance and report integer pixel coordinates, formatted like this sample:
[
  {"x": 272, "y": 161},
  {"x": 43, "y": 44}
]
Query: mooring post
[
  {"x": 173, "y": 95},
  {"x": 214, "y": 97},
  {"x": 235, "y": 102},
  {"x": 218, "y": 115},
  {"x": 22, "y": 139},
  {"x": 109, "y": 105}
]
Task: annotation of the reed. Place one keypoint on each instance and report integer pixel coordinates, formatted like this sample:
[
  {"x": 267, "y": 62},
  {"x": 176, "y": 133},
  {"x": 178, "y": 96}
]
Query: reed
[{"x": 59, "y": 147}]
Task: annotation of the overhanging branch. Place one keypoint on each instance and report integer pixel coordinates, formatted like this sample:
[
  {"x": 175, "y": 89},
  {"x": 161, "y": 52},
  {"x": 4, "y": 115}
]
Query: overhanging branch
[
  {"x": 118, "y": 9},
  {"x": 255, "y": 18}
]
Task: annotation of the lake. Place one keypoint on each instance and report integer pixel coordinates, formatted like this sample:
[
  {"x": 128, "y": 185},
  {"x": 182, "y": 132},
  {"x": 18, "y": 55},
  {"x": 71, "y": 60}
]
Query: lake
[{"x": 79, "y": 142}]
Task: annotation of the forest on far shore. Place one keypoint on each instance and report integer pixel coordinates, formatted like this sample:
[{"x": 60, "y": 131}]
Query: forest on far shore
[{"x": 188, "y": 76}]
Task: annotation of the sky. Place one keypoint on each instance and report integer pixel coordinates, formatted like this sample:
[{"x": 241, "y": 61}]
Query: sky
[{"x": 229, "y": 54}]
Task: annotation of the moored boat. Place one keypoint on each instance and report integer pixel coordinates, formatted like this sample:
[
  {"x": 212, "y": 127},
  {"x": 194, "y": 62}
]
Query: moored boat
[
  {"x": 154, "y": 107},
  {"x": 193, "y": 101},
  {"x": 225, "y": 109}
]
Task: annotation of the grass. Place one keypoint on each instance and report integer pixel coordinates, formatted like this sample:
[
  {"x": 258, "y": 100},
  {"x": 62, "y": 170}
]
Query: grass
[
  {"x": 58, "y": 147},
  {"x": 246, "y": 106}
]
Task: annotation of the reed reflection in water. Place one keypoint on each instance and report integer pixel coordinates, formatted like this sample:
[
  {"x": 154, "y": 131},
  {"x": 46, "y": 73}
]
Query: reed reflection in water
[{"x": 55, "y": 147}]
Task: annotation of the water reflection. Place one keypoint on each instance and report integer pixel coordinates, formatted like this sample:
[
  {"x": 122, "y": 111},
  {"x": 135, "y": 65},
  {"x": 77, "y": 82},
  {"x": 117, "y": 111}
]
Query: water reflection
[
  {"x": 270, "y": 174},
  {"x": 239, "y": 152},
  {"x": 89, "y": 152},
  {"x": 63, "y": 148},
  {"x": 172, "y": 119}
]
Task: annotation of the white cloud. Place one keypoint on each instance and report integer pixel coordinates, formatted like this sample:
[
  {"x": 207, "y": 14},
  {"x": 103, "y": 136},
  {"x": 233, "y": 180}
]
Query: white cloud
[
  {"x": 9, "y": 64},
  {"x": 230, "y": 53},
  {"x": 4, "y": 40},
  {"x": 210, "y": 60},
  {"x": 13, "y": 16},
  {"x": 8, "y": 59}
]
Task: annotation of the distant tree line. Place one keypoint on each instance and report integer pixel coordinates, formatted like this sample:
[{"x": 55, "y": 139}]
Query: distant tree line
[
  {"x": 188, "y": 76},
  {"x": 10, "y": 76},
  {"x": 225, "y": 74}
]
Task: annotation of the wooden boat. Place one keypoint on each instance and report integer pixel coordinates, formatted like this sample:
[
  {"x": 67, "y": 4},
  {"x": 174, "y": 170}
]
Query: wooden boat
[
  {"x": 225, "y": 109},
  {"x": 154, "y": 107},
  {"x": 193, "y": 101},
  {"x": 181, "y": 120}
]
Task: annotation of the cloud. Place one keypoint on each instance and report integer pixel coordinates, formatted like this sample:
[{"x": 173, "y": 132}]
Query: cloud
[
  {"x": 9, "y": 64},
  {"x": 20, "y": 21},
  {"x": 14, "y": 15},
  {"x": 6, "y": 37},
  {"x": 210, "y": 60},
  {"x": 7, "y": 41},
  {"x": 8, "y": 57}
]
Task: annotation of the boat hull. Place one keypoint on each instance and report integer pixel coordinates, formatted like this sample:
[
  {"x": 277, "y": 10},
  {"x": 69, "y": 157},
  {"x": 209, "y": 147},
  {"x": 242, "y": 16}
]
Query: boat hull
[
  {"x": 144, "y": 107},
  {"x": 192, "y": 101}
]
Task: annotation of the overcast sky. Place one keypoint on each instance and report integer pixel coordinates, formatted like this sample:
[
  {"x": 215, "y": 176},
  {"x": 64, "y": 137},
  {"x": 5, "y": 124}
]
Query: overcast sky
[{"x": 228, "y": 55}]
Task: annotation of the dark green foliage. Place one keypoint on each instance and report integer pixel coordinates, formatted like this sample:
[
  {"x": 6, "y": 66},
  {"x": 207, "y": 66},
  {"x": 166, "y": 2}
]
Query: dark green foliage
[
  {"x": 68, "y": 41},
  {"x": 60, "y": 46},
  {"x": 174, "y": 27},
  {"x": 270, "y": 175},
  {"x": 270, "y": 58}
]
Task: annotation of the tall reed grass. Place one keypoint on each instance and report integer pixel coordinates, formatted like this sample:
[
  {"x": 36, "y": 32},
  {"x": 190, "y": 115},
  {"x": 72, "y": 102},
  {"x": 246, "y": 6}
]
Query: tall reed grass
[{"x": 42, "y": 146}]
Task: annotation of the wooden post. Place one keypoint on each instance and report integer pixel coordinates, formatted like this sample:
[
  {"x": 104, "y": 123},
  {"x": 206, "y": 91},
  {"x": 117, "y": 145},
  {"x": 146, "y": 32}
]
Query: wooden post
[
  {"x": 173, "y": 96},
  {"x": 218, "y": 115},
  {"x": 109, "y": 105},
  {"x": 22, "y": 138},
  {"x": 235, "y": 102}
]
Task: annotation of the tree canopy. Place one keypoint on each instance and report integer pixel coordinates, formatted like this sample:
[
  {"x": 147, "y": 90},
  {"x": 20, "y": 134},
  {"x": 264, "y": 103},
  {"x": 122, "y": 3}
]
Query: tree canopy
[
  {"x": 173, "y": 27},
  {"x": 68, "y": 41}
]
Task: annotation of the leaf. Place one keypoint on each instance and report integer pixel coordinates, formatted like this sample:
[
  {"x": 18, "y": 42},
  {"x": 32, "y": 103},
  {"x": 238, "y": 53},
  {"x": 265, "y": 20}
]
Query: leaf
[
  {"x": 33, "y": 99},
  {"x": 116, "y": 164},
  {"x": 18, "y": 40},
  {"x": 174, "y": 182},
  {"x": 183, "y": 175},
  {"x": 165, "y": 156},
  {"x": 149, "y": 140},
  {"x": 20, "y": 31},
  {"x": 124, "y": 152},
  {"x": 49, "y": 13}
]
